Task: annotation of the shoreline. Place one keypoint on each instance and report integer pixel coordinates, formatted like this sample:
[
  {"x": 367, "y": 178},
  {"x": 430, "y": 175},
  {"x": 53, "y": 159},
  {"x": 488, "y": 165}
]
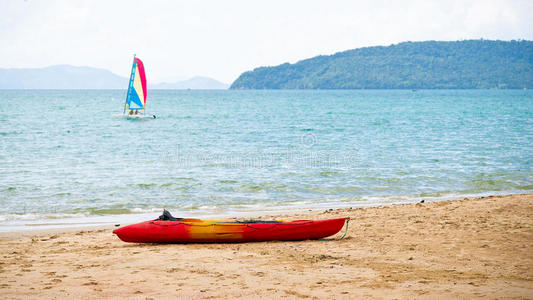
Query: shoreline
[
  {"x": 93, "y": 221},
  {"x": 469, "y": 248}
]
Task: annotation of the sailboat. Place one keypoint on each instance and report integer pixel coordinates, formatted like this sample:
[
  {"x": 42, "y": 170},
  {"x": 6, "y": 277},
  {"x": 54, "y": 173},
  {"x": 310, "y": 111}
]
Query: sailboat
[{"x": 135, "y": 105}]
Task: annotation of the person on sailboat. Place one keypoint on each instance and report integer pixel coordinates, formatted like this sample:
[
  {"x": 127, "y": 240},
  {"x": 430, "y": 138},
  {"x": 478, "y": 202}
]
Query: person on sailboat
[{"x": 131, "y": 112}]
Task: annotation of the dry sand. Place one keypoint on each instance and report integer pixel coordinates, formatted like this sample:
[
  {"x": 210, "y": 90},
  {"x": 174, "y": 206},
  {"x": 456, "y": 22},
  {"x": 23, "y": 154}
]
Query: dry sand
[{"x": 470, "y": 248}]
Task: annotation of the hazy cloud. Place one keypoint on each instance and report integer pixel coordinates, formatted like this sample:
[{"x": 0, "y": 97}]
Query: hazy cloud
[{"x": 221, "y": 39}]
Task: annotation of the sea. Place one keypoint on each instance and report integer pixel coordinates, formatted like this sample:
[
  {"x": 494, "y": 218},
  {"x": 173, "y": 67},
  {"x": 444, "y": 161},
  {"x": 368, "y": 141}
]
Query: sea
[{"x": 66, "y": 161}]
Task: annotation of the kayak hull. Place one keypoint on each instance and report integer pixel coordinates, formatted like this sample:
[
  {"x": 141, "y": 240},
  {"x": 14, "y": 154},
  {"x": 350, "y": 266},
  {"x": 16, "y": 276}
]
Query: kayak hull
[{"x": 205, "y": 231}]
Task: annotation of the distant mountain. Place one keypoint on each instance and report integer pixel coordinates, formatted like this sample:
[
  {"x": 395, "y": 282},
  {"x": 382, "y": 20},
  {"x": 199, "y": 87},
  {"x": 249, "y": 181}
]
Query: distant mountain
[
  {"x": 61, "y": 77},
  {"x": 71, "y": 77},
  {"x": 471, "y": 64},
  {"x": 195, "y": 83}
]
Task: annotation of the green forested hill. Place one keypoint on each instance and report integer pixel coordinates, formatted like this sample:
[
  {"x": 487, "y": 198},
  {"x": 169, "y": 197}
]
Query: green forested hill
[{"x": 472, "y": 64}]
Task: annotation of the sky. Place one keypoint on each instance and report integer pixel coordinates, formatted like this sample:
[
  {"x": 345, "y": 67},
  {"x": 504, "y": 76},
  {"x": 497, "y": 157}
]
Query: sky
[{"x": 221, "y": 39}]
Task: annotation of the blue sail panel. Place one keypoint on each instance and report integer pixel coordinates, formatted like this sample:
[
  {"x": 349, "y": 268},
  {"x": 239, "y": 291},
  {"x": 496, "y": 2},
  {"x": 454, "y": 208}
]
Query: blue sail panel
[
  {"x": 134, "y": 102},
  {"x": 132, "y": 99}
]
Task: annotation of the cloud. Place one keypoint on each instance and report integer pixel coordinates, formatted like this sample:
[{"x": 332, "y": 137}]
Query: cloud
[{"x": 221, "y": 39}]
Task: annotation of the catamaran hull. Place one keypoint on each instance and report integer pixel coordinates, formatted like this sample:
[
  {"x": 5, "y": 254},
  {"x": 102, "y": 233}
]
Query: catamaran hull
[
  {"x": 205, "y": 231},
  {"x": 134, "y": 117}
]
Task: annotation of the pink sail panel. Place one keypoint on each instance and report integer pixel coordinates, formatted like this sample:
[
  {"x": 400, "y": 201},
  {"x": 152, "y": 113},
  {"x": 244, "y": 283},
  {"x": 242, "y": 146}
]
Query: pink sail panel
[{"x": 142, "y": 77}]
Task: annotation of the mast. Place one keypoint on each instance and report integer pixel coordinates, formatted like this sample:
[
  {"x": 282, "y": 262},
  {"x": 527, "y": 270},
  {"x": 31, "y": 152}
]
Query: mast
[{"x": 129, "y": 83}]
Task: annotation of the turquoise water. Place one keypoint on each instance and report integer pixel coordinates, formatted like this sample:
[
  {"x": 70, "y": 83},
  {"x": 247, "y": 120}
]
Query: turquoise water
[{"x": 224, "y": 152}]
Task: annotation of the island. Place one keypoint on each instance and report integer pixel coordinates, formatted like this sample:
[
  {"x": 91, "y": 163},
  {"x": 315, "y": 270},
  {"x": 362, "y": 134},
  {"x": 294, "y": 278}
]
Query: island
[{"x": 467, "y": 64}]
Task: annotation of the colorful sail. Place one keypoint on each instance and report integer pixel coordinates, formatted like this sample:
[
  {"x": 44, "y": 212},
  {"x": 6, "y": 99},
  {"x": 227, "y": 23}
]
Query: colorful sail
[{"x": 136, "y": 98}]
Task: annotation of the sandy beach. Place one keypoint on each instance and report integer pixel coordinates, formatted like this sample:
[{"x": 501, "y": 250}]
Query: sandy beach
[{"x": 468, "y": 248}]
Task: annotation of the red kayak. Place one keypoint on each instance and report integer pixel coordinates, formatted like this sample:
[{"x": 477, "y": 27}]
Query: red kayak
[{"x": 167, "y": 229}]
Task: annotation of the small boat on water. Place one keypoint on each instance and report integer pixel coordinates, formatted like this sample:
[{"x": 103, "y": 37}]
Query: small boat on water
[
  {"x": 135, "y": 105},
  {"x": 167, "y": 229}
]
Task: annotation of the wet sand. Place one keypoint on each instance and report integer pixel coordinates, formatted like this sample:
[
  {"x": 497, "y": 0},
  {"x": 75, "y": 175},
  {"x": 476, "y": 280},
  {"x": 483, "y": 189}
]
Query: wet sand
[{"x": 469, "y": 248}]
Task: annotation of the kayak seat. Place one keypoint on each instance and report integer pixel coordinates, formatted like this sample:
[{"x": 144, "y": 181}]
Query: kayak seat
[{"x": 167, "y": 216}]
